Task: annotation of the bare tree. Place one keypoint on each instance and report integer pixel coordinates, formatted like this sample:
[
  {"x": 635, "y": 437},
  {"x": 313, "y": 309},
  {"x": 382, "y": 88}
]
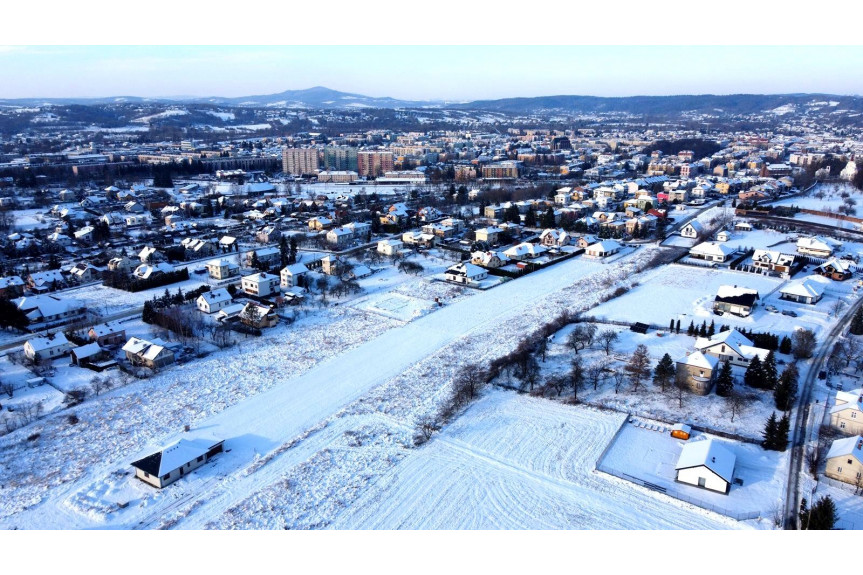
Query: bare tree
[
  {"x": 469, "y": 381},
  {"x": 803, "y": 343},
  {"x": 594, "y": 372},
  {"x": 557, "y": 382},
  {"x": 619, "y": 378},
  {"x": 736, "y": 403},
  {"x": 581, "y": 336},
  {"x": 837, "y": 307},
  {"x": 99, "y": 384},
  {"x": 6, "y": 387},
  {"x": 853, "y": 349},
  {"x": 607, "y": 338}
]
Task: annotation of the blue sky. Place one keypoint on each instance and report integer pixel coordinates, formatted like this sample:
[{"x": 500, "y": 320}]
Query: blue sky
[{"x": 427, "y": 72}]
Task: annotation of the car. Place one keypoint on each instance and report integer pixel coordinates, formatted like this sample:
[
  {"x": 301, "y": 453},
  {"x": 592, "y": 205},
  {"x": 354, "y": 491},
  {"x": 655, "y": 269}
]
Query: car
[
  {"x": 789, "y": 312},
  {"x": 771, "y": 308}
]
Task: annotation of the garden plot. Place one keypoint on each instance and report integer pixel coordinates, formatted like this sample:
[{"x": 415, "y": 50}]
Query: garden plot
[
  {"x": 826, "y": 198},
  {"x": 650, "y": 454},
  {"x": 396, "y": 306},
  {"x": 681, "y": 292},
  {"x": 708, "y": 411},
  {"x": 515, "y": 462}
]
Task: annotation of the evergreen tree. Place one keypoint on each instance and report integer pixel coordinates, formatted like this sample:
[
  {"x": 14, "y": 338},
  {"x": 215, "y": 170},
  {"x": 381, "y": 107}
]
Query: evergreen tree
[
  {"x": 148, "y": 314},
  {"x": 677, "y": 329},
  {"x": 702, "y": 331},
  {"x": 782, "y": 430},
  {"x": 822, "y": 516},
  {"x": 548, "y": 218},
  {"x": 671, "y": 327},
  {"x": 856, "y": 327},
  {"x": 691, "y": 331},
  {"x": 256, "y": 263},
  {"x": 711, "y": 331},
  {"x": 664, "y": 372},
  {"x": 725, "y": 381},
  {"x": 511, "y": 214},
  {"x": 786, "y": 389},
  {"x": 292, "y": 251},
  {"x": 785, "y": 346},
  {"x": 754, "y": 375},
  {"x": 284, "y": 255},
  {"x": 770, "y": 375},
  {"x": 530, "y": 218},
  {"x": 769, "y": 434}
]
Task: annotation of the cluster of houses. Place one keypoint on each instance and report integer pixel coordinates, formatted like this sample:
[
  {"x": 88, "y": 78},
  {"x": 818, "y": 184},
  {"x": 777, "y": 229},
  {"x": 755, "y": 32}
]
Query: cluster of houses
[{"x": 699, "y": 369}]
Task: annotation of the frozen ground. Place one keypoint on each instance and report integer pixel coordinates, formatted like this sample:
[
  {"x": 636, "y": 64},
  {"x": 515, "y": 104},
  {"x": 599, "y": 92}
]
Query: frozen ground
[
  {"x": 831, "y": 201},
  {"x": 515, "y": 462},
  {"x": 410, "y": 367},
  {"x": 396, "y": 306},
  {"x": 652, "y": 455}
]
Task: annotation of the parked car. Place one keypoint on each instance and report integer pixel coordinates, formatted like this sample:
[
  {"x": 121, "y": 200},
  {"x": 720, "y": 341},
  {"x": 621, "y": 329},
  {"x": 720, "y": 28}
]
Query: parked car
[
  {"x": 771, "y": 308},
  {"x": 789, "y": 312}
]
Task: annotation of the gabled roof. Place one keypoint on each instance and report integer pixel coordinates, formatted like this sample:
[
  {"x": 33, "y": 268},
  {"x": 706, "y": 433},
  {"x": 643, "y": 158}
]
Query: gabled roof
[
  {"x": 50, "y": 342},
  {"x": 175, "y": 456},
  {"x": 810, "y": 286},
  {"x": 713, "y": 249},
  {"x": 107, "y": 328},
  {"x": 732, "y": 338},
  {"x": 709, "y": 453},
  {"x": 736, "y": 295},
  {"x": 87, "y": 350},
  {"x": 847, "y": 446},
  {"x": 216, "y": 296}
]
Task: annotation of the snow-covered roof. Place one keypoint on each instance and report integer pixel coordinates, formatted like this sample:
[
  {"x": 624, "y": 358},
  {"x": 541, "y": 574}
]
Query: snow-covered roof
[
  {"x": 731, "y": 337},
  {"x": 216, "y": 296},
  {"x": 466, "y": 269},
  {"x": 837, "y": 264},
  {"x": 11, "y": 281},
  {"x": 296, "y": 269},
  {"x": 734, "y": 291},
  {"x": 45, "y": 305},
  {"x": 49, "y": 342},
  {"x": 773, "y": 256},
  {"x": 604, "y": 246},
  {"x": 700, "y": 360},
  {"x": 713, "y": 249},
  {"x": 847, "y": 446},
  {"x": 175, "y": 455},
  {"x": 87, "y": 350},
  {"x": 107, "y": 328},
  {"x": 525, "y": 249},
  {"x": 711, "y": 454},
  {"x": 810, "y": 286}
]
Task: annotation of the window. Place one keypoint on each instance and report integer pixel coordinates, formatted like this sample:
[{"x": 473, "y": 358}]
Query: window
[
  {"x": 165, "y": 477},
  {"x": 853, "y": 415},
  {"x": 200, "y": 459},
  {"x": 839, "y": 469},
  {"x": 702, "y": 482},
  {"x": 841, "y": 425},
  {"x": 850, "y": 462},
  {"x": 146, "y": 474}
]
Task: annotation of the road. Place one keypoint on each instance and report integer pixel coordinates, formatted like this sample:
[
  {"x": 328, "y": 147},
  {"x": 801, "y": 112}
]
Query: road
[{"x": 798, "y": 440}]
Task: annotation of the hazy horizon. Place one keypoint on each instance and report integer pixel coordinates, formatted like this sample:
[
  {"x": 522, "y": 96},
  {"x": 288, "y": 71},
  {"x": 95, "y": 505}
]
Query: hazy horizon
[{"x": 442, "y": 73}]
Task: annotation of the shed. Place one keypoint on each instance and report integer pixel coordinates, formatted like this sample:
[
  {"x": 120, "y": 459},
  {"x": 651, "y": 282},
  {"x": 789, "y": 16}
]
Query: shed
[
  {"x": 639, "y": 327},
  {"x": 681, "y": 431}
]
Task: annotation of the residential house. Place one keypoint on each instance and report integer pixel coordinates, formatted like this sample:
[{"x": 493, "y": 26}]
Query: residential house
[
  {"x": 490, "y": 260},
  {"x": 835, "y": 269},
  {"x": 48, "y": 347},
  {"x": 228, "y": 243},
  {"x": 707, "y": 464},
  {"x": 772, "y": 262},
  {"x": 268, "y": 234},
  {"x": 150, "y": 255},
  {"x": 222, "y": 268},
  {"x": 713, "y": 252},
  {"x": 603, "y": 249},
  {"x": 735, "y": 300},
  {"x": 332, "y": 265},
  {"x": 551, "y": 238},
  {"x": 489, "y": 235},
  {"x": 290, "y": 275},
  {"x": 47, "y": 311},
  {"x": 260, "y": 284},
  {"x": 697, "y": 372},
  {"x": 465, "y": 273},
  {"x": 692, "y": 229},
  {"x": 525, "y": 251},
  {"x": 267, "y": 257},
  {"x": 48, "y": 280},
  {"x": 845, "y": 460},
  {"x": 815, "y": 246},
  {"x": 808, "y": 290},
  {"x": 147, "y": 271},
  {"x": 320, "y": 223},
  {"x": 390, "y": 247},
  {"x": 213, "y": 301},
  {"x": 173, "y": 462},
  {"x": 259, "y": 316},
  {"x": 83, "y": 272},
  {"x": 419, "y": 239},
  {"x": 90, "y": 354},
  {"x": 585, "y": 242},
  {"x": 11, "y": 286},
  {"x": 846, "y": 415},
  {"x": 84, "y": 234},
  {"x": 153, "y": 354},
  {"x": 731, "y": 345},
  {"x": 197, "y": 248},
  {"x": 340, "y": 237},
  {"x": 109, "y": 333}
]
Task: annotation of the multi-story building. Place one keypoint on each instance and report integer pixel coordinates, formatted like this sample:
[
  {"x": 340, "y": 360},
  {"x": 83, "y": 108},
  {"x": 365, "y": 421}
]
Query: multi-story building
[
  {"x": 340, "y": 159},
  {"x": 300, "y": 161},
  {"x": 500, "y": 171},
  {"x": 374, "y": 164}
]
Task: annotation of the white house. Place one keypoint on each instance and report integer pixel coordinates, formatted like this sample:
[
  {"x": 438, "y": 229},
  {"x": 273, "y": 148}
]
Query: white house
[
  {"x": 730, "y": 345},
  {"x": 47, "y": 347},
  {"x": 707, "y": 464},
  {"x": 807, "y": 290},
  {"x": 176, "y": 460},
  {"x": 146, "y": 271},
  {"x": 712, "y": 251},
  {"x": 291, "y": 274},
  {"x": 692, "y": 229},
  {"x": 465, "y": 273},
  {"x": 815, "y": 246},
  {"x": 212, "y": 301},
  {"x": 390, "y": 247},
  {"x": 260, "y": 284},
  {"x": 222, "y": 268},
  {"x": 603, "y": 249},
  {"x": 525, "y": 250}
]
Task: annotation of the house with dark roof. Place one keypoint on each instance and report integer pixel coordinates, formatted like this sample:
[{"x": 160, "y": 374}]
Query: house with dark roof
[
  {"x": 175, "y": 461},
  {"x": 735, "y": 300}
]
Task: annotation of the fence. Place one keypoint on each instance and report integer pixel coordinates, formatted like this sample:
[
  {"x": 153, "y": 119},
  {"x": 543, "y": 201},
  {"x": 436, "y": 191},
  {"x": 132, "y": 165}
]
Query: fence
[{"x": 679, "y": 496}]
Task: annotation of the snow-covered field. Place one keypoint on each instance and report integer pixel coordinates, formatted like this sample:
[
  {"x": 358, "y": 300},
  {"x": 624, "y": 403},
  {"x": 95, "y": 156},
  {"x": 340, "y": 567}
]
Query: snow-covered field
[
  {"x": 515, "y": 462},
  {"x": 830, "y": 201},
  {"x": 651, "y": 456},
  {"x": 397, "y": 306}
]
